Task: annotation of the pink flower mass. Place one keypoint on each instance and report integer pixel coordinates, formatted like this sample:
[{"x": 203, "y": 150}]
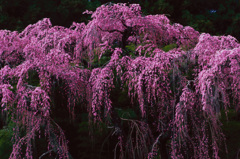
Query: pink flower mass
[{"x": 171, "y": 104}]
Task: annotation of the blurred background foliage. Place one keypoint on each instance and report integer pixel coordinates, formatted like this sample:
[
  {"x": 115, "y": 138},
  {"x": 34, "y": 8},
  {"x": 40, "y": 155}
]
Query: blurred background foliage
[{"x": 217, "y": 17}]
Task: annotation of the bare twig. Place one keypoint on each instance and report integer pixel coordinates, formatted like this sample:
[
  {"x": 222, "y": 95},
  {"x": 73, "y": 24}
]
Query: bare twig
[
  {"x": 45, "y": 153},
  {"x": 238, "y": 153},
  {"x": 156, "y": 141}
]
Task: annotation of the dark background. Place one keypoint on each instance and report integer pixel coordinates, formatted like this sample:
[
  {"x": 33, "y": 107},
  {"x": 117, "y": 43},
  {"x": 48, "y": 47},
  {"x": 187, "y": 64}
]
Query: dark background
[{"x": 217, "y": 17}]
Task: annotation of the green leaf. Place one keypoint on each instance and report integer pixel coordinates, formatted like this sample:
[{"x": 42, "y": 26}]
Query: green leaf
[{"x": 169, "y": 47}]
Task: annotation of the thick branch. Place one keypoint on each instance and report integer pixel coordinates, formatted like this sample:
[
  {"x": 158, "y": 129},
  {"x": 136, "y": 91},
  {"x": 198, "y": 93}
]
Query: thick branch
[{"x": 111, "y": 31}]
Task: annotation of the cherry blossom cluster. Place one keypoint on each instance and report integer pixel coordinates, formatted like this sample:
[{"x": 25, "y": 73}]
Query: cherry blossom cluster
[
  {"x": 177, "y": 95},
  {"x": 48, "y": 51}
]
